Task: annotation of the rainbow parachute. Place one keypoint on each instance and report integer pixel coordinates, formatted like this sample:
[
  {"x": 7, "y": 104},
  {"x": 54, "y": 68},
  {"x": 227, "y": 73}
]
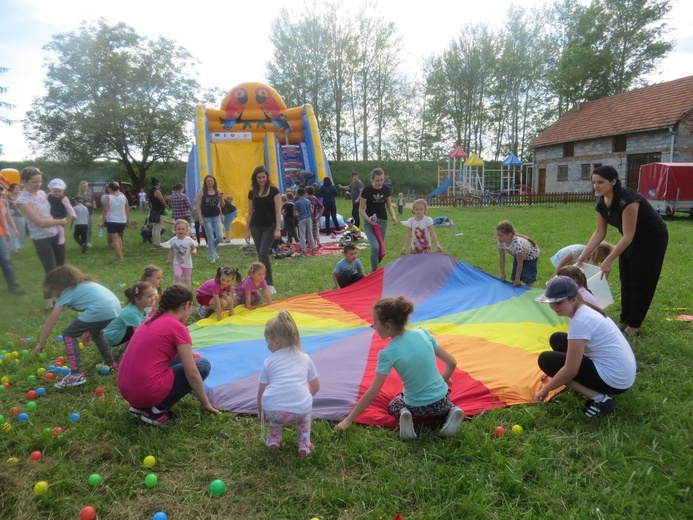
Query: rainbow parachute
[{"x": 495, "y": 332}]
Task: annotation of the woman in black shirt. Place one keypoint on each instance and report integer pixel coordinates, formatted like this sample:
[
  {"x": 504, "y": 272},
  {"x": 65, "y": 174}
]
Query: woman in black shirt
[{"x": 374, "y": 206}]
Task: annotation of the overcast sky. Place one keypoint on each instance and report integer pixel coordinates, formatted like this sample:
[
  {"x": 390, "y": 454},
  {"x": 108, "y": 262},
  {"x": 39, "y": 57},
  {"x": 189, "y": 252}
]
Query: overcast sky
[{"x": 231, "y": 38}]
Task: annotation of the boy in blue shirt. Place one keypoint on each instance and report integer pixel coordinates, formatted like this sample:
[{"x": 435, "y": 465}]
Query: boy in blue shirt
[
  {"x": 302, "y": 211},
  {"x": 349, "y": 269}
]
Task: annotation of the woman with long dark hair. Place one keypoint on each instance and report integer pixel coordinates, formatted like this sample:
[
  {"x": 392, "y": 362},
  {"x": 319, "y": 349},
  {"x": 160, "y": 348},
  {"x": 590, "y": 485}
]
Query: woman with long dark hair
[
  {"x": 329, "y": 195},
  {"x": 208, "y": 203},
  {"x": 640, "y": 251},
  {"x": 264, "y": 220}
]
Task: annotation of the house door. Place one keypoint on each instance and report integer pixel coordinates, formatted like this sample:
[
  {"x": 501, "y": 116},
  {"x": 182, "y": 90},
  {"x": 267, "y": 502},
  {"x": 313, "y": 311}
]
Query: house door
[
  {"x": 541, "y": 189},
  {"x": 634, "y": 163}
]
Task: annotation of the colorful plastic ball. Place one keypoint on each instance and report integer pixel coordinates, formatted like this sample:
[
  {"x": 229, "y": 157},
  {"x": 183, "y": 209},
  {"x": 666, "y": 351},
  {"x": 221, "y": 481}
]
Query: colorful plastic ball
[
  {"x": 50, "y": 376},
  {"x": 196, "y": 355},
  {"x": 517, "y": 429},
  {"x": 217, "y": 488},
  {"x": 40, "y": 487},
  {"x": 499, "y": 431},
  {"x": 151, "y": 480},
  {"x": 35, "y": 456},
  {"x": 42, "y": 356},
  {"x": 2, "y": 418},
  {"x": 31, "y": 406},
  {"x": 59, "y": 337},
  {"x": 3, "y": 352},
  {"x": 60, "y": 359},
  {"x": 31, "y": 395},
  {"x": 14, "y": 411},
  {"x": 160, "y": 516},
  {"x": 5, "y": 427},
  {"x": 23, "y": 417},
  {"x": 50, "y": 367},
  {"x": 99, "y": 391},
  {"x": 2, "y": 387},
  {"x": 87, "y": 513},
  {"x": 27, "y": 340},
  {"x": 105, "y": 371},
  {"x": 40, "y": 391},
  {"x": 65, "y": 371},
  {"x": 1, "y": 358},
  {"x": 40, "y": 371},
  {"x": 149, "y": 461},
  {"x": 58, "y": 364},
  {"x": 81, "y": 345},
  {"x": 94, "y": 479},
  {"x": 10, "y": 344},
  {"x": 31, "y": 378},
  {"x": 4, "y": 380},
  {"x": 6, "y": 385},
  {"x": 12, "y": 461},
  {"x": 56, "y": 431},
  {"x": 74, "y": 417}
]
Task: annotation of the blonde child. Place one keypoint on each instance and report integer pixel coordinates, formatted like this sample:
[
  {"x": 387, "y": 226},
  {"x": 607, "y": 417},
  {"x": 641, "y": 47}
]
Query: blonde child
[
  {"x": 420, "y": 230},
  {"x": 288, "y": 382},
  {"x": 155, "y": 276},
  {"x": 569, "y": 255},
  {"x": 140, "y": 297},
  {"x": 216, "y": 294},
  {"x": 412, "y": 353},
  {"x": 181, "y": 251},
  {"x": 75, "y": 290},
  {"x": 524, "y": 251},
  {"x": 578, "y": 276},
  {"x": 349, "y": 269},
  {"x": 248, "y": 291},
  {"x": 401, "y": 202}
]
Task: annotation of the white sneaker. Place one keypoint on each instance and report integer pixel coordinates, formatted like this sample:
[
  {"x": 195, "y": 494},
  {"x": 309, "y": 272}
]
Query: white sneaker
[
  {"x": 406, "y": 425},
  {"x": 453, "y": 422},
  {"x": 71, "y": 380},
  {"x": 203, "y": 311},
  {"x": 271, "y": 289}
]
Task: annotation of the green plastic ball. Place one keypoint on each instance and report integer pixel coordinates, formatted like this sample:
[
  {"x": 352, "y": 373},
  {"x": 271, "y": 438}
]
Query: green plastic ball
[
  {"x": 31, "y": 405},
  {"x": 94, "y": 480},
  {"x": 217, "y": 488},
  {"x": 151, "y": 480}
]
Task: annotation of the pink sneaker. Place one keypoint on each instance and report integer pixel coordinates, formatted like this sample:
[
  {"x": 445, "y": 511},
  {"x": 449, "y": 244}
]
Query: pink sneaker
[{"x": 305, "y": 448}]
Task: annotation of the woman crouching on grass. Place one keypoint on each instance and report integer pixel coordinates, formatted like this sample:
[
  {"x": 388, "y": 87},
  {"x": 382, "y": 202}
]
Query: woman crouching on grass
[
  {"x": 593, "y": 358},
  {"x": 158, "y": 368}
]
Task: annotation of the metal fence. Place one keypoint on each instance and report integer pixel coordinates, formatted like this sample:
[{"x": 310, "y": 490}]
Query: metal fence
[{"x": 496, "y": 199}]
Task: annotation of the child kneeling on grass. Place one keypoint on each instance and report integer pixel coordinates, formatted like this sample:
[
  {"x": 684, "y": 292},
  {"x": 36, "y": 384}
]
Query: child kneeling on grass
[
  {"x": 349, "y": 269},
  {"x": 158, "y": 368},
  {"x": 413, "y": 355}
]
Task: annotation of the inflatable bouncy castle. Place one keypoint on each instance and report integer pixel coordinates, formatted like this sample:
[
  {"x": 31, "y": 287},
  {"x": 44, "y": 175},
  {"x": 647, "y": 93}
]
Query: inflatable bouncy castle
[{"x": 254, "y": 127}]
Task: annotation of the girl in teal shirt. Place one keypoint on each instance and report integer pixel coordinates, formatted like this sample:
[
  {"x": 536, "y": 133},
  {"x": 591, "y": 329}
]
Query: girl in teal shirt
[{"x": 140, "y": 295}]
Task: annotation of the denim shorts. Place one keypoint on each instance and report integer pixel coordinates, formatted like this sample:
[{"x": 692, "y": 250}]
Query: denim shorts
[{"x": 529, "y": 271}]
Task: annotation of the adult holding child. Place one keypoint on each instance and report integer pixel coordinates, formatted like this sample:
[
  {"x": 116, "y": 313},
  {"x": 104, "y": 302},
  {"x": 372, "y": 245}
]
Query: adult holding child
[
  {"x": 264, "y": 221},
  {"x": 641, "y": 250},
  {"x": 43, "y": 229},
  {"x": 374, "y": 205},
  {"x": 208, "y": 203},
  {"x": 158, "y": 368}
]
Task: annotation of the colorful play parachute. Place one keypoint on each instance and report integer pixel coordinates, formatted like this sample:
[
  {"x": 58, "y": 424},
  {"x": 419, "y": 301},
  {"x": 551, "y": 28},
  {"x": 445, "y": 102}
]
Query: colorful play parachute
[{"x": 495, "y": 332}]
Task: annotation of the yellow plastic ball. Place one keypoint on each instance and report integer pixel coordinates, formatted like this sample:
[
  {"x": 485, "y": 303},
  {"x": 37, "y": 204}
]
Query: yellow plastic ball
[
  {"x": 5, "y": 379},
  {"x": 12, "y": 461},
  {"x": 517, "y": 429},
  {"x": 149, "y": 461},
  {"x": 5, "y": 427},
  {"x": 41, "y": 487},
  {"x": 40, "y": 371}
]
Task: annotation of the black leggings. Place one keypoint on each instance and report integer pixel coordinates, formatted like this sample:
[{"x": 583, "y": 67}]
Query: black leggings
[
  {"x": 263, "y": 237},
  {"x": 50, "y": 253},
  {"x": 551, "y": 362}
]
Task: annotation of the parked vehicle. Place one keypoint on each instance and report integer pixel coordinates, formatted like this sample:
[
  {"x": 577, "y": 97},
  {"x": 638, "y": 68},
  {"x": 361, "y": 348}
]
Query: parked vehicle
[
  {"x": 98, "y": 189},
  {"x": 668, "y": 187}
]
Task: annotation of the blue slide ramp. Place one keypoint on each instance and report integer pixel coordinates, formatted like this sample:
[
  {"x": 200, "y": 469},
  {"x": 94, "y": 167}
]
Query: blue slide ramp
[{"x": 440, "y": 189}]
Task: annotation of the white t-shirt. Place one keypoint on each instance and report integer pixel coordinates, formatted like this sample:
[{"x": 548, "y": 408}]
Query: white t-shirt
[
  {"x": 575, "y": 249},
  {"x": 606, "y": 347},
  {"x": 420, "y": 240},
  {"x": 82, "y": 215},
  {"x": 287, "y": 372},
  {"x": 182, "y": 251},
  {"x": 116, "y": 209}
]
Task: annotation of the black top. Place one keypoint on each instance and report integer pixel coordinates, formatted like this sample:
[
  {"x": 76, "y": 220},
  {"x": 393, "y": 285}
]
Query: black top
[
  {"x": 264, "y": 214},
  {"x": 328, "y": 194},
  {"x": 210, "y": 205},
  {"x": 229, "y": 208},
  {"x": 156, "y": 204},
  {"x": 648, "y": 223},
  {"x": 58, "y": 209},
  {"x": 375, "y": 201},
  {"x": 288, "y": 211}
]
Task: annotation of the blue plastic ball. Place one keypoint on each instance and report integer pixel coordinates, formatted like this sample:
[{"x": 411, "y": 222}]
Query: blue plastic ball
[
  {"x": 27, "y": 340},
  {"x": 23, "y": 417},
  {"x": 50, "y": 368},
  {"x": 59, "y": 337},
  {"x": 160, "y": 516},
  {"x": 105, "y": 371},
  {"x": 40, "y": 391},
  {"x": 74, "y": 417},
  {"x": 65, "y": 371}
]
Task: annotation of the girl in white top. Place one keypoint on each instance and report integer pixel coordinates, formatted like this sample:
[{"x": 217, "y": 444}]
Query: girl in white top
[
  {"x": 288, "y": 382},
  {"x": 593, "y": 358},
  {"x": 420, "y": 230},
  {"x": 116, "y": 214},
  {"x": 182, "y": 249}
]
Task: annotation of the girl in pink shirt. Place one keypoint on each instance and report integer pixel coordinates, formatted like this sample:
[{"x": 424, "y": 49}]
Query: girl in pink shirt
[
  {"x": 158, "y": 368},
  {"x": 248, "y": 291},
  {"x": 216, "y": 294}
]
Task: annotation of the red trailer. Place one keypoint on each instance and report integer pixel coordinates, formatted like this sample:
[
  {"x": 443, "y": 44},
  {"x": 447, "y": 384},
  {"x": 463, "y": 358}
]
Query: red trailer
[{"x": 668, "y": 187}]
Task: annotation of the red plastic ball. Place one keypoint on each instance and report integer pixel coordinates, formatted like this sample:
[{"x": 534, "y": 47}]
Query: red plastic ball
[
  {"x": 57, "y": 431},
  {"x": 60, "y": 359},
  {"x": 14, "y": 410},
  {"x": 49, "y": 375},
  {"x": 35, "y": 456},
  {"x": 7, "y": 385},
  {"x": 58, "y": 363},
  {"x": 99, "y": 391},
  {"x": 31, "y": 395},
  {"x": 499, "y": 431},
  {"x": 87, "y": 513}
]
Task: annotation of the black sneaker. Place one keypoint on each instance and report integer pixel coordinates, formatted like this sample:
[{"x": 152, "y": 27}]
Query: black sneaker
[
  {"x": 155, "y": 419},
  {"x": 592, "y": 409},
  {"x": 84, "y": 248}
]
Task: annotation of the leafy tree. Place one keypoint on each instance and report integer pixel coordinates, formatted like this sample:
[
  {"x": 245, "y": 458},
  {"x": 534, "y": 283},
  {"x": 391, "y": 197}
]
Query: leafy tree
[
  {"x": 114, "y": 95},
  {"x": 4, "y": 106}
]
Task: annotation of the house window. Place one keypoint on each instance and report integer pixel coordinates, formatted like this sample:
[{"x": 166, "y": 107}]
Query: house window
[
  {"x": 618, "y": 143},
  {"x": 563, "y": 172},
  {"x": 568, "y": 149},
  {"x": 585, "y": 171}
]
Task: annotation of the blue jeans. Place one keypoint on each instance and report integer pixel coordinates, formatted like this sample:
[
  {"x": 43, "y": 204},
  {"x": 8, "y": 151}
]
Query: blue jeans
[
  {"x": 213, "y": 234},
  {"x": 6, "y": 265},
  {"x": 375, "y": 247},
  {"x": 181, "y": 386},
  {"x": 18, "y": 239},
  {"x": 228, "y": 220}
]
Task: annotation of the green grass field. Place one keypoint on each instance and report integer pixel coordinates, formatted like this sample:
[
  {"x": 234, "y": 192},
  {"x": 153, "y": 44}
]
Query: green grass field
[{"x": 634, "y": 464}]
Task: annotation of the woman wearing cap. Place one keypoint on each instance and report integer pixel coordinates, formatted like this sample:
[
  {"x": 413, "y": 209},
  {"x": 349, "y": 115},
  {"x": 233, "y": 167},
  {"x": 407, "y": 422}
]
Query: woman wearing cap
[
  {"x": 43, "y": 229},
  {"x": 593, "y": 358},
  {"x": 640, "y": 251}
]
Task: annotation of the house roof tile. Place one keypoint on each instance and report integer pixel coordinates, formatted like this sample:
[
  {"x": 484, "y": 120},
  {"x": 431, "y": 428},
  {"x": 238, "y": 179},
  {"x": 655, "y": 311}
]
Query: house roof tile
[{"x": 647, "y": 108}]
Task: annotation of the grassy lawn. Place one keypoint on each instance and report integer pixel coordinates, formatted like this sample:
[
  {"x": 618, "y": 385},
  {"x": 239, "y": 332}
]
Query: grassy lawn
[{"x": 634, "y": 464}]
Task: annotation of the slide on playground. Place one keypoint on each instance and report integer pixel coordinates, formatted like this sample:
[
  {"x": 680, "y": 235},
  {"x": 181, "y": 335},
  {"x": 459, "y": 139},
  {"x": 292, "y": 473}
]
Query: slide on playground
[{"x": 250, "y": 130}]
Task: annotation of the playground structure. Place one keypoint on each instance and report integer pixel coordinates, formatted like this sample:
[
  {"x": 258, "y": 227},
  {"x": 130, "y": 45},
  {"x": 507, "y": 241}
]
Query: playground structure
[
  {"x": 252, "y": 127},
  {"x": 467, "y": 179}
]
